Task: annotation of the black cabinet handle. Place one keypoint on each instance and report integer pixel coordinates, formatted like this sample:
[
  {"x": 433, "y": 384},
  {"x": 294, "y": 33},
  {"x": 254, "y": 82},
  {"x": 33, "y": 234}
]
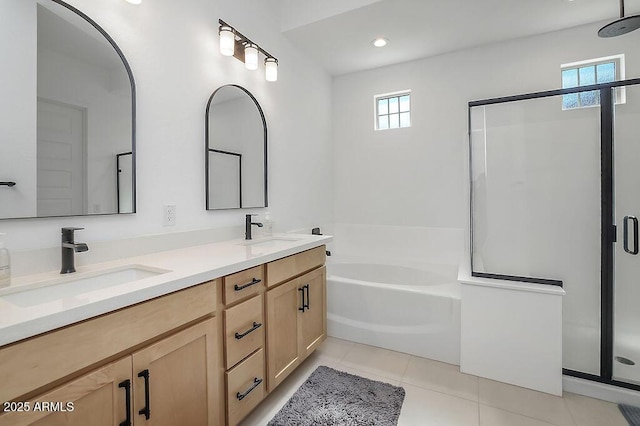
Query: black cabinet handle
[
  {"x": 306, "y": 286},
  {"x": 146, "y": 410},
  {"x": 625, "y": 231},
  {"x": 301, "y": 290},
  {"x": 243, "y": 286},
  {"x": 9, "y": 184},
  {"x": 127, "y": 397},
  {"x": 256, "y": 325},
  {"x": 256, "y": 383}
]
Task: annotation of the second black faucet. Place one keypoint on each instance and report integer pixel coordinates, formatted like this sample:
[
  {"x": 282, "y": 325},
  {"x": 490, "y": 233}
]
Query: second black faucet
[{"x": 247, "y": 226}]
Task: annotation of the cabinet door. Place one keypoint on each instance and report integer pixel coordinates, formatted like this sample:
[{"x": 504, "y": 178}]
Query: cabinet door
[
  {"x": 180, "y": 387},
  {"x": 313, "y": 321},
  {"x": 283, "y": 303},
  {"x": 92, "y": 400}
]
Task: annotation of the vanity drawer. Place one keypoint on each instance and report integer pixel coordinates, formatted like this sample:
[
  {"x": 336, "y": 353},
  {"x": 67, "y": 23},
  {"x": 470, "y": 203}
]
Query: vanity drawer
[
  {"x": 242, "y": 284},
  {"x": 291, "y": 266},
  {"x": 245, "y": 387},
  {"x": 244, "y": 330}
]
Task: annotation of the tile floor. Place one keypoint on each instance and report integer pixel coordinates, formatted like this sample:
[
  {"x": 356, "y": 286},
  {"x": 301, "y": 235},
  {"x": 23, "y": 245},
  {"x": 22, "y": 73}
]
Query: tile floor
[{"x": 438, "y": 394}]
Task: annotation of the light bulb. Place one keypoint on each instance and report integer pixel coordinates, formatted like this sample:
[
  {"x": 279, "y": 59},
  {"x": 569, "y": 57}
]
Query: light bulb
[
  {"x": 271, "y": 69},
  {"x": 227, "y": 41},
  {"x": 380, "y": 42},
  {"x": 251, "y": 56}
]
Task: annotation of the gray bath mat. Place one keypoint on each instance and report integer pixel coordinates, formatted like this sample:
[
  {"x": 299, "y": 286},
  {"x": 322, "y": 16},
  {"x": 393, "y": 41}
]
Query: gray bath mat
[
  {"x": 631, "y": 413},
  {"x": 330, "y": 397}
]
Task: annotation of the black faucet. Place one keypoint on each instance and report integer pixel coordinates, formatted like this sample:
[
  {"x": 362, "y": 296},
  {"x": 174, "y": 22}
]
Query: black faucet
[
  {"x": 247, "y": 226},
  {"x": 69, "y": 247}
]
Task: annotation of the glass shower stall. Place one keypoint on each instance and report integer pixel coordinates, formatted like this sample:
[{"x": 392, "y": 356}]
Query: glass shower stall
[{"x": 555, "y": 200}]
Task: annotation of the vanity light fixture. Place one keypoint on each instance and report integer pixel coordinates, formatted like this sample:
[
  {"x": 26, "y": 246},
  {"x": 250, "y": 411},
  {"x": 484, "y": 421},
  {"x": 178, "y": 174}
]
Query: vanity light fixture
[
  {"x": 251, "y": 56},
  {"x": 233, "y": 43},
  {"x": 227, "y": 40},
  {"x": 271, "y": 69}
]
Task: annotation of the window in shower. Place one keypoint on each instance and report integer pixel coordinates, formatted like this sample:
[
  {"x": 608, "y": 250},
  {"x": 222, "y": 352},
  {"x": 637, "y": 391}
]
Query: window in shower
[
  {"x": 588, "y": 73},
  {"x": 393, "y": 110}
]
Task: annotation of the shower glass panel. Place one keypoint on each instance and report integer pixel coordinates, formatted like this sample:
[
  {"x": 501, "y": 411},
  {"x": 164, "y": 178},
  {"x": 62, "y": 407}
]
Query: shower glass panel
[
  {"x": 536, "y": 214},
  {"x": 626, "y": 148}
]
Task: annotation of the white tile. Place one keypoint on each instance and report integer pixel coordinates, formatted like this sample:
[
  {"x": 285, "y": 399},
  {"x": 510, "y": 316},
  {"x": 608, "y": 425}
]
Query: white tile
[
  {"x": 593, "y": 412},
  {"x": 490, "y": 416},
  {"x": 529, "y": 403},
  {"x": 426, "y": 407},
  {"x": 381, "y": 362},
  {"x": 366, "y": 374},
  {"x": 441, "y": 377},
  {"x": 334, "y": 349}
]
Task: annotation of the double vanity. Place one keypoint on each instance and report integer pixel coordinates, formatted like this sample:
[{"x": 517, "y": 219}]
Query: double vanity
[{"x": 194, "y": 336}]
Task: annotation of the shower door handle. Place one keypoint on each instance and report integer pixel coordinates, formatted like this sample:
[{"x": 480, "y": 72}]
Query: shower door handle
[{"x": 625, "y": 231}]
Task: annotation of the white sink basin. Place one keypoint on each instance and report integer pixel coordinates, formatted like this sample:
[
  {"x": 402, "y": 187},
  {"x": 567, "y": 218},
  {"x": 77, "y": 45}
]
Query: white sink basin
[
  {"x": 270, "y": 242},
  {"x": 75, "y": 285}
]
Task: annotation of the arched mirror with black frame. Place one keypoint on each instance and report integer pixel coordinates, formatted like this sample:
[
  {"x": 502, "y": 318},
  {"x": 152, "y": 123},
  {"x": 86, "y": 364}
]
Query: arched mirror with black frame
[
  {"x": 66, "y": 114},
  {"x": 235, "y": 150}
]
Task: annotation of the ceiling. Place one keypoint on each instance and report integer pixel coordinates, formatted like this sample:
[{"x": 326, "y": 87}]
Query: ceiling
[{"x": 338, "y": 33}]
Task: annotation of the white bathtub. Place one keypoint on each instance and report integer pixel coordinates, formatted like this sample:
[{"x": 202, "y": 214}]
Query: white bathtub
[{"x": 407, "y": 308}]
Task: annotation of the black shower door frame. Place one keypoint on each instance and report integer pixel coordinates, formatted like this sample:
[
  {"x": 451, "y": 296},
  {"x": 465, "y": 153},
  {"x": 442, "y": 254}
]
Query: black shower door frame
[{"x": 607, "y": 226}]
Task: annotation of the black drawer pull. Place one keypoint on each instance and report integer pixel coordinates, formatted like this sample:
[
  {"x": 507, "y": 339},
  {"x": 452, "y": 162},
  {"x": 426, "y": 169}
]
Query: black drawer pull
[
  {"x": 256, "y": 325},
  {"x": 243, "y": 286},
  {"x": 256, "y": 383},
  {"x": 146, "y": 410},
  {"x": 301, "y": 290},
  {"x": 306, "y": 286},
  {"x": 127, "y": 398}
]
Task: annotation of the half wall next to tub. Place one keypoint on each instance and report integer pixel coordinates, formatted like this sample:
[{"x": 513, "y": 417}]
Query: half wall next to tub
[{"x": 396, "y": 288}]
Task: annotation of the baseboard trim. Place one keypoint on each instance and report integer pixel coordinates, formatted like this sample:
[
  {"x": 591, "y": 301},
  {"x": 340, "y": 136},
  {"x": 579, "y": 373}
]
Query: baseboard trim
[{"x": 602, "y": 391}]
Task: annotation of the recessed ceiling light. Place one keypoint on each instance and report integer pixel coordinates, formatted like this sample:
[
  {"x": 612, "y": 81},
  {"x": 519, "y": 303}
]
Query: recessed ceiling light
[
  {"x": 380, "y": 42},
  {"x": 134, "y": 1}
]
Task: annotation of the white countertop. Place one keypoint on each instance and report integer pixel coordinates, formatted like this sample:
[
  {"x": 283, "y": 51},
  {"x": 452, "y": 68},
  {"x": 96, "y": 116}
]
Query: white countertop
[{"x": 187, "y": 267}]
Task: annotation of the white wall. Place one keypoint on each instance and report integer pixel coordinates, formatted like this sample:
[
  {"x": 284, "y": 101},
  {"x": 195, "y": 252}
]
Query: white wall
[
  {"x": 172, "y": 49},
  {"x": 418, "y": 176}
]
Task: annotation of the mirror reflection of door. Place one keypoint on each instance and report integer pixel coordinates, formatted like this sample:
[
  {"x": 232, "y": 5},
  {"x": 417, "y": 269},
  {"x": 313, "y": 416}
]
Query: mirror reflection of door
[
  {"x": 71, "y": 111},
  {"x": 61, "y": 169},
  {"x": 225, "y": 179},
  {"x": 124, "y": 166}
]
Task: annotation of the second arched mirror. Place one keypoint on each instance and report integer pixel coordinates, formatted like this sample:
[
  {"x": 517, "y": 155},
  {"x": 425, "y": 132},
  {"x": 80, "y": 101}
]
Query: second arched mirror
[{"x": 236, "y": 150}]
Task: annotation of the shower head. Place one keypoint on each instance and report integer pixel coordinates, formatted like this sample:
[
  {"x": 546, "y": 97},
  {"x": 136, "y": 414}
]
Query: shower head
[{"x": 621, "y": 26}]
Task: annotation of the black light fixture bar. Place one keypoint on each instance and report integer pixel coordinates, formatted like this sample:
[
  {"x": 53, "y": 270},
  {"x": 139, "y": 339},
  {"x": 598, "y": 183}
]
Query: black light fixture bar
[{"x": 246, "y": 40}]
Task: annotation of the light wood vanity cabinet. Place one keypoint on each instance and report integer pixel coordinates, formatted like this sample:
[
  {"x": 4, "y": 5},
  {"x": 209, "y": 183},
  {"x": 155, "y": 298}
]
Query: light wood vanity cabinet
[
  {"x": 206, "y": 355},
  {"x": 173, "y": 378},
  {"x": 296, "y": 311},
  {"x": 266, "y": 333},
  {"x": 243, "y": 331},
  {"x": 97, "y": 399},
  {"x": 182, "y": 366}
]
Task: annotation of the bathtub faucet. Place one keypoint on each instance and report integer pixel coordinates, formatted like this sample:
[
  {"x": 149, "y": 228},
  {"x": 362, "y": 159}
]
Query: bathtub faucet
[{"x": 247, "y": 226}]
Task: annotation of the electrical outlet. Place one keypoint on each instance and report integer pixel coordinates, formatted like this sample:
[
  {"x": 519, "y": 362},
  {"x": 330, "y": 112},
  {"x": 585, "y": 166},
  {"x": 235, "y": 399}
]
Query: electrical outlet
[{"x": 169, "y": 215}]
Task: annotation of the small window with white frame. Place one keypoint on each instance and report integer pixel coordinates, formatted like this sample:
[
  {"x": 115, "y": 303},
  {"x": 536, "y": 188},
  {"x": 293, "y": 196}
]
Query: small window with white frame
[
  {"x": 590, "y": 72},
  {"x": 393, "y": 110}
]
